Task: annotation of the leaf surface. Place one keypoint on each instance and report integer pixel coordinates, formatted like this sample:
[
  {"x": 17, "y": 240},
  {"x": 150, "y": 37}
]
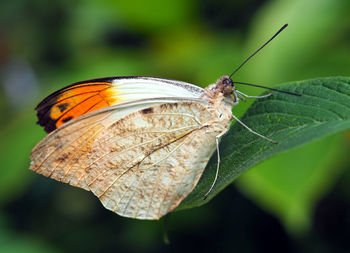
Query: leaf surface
[{"x": 323, "y": 109}]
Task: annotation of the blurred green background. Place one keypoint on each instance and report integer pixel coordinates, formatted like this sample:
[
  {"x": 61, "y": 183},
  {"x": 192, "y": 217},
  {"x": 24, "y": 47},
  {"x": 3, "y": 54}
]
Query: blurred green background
[{"x": 298, "y": 201}]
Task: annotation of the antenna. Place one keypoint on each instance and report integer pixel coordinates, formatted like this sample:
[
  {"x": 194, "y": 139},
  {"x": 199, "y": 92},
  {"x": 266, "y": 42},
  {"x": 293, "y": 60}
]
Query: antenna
[
  {"x": 260, "y": 86},
  {"x": 267, "y": 42}
]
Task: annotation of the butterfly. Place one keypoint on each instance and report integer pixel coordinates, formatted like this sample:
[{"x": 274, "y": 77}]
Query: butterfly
[{"x": 140, "y": 144}]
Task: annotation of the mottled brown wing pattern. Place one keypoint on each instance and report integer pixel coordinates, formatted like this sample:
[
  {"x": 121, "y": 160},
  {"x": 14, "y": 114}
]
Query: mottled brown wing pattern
[
  {"x": 145, "y": 164},
  {"x": 62, "y": 154},
  {"x": 142, "y": 165}
]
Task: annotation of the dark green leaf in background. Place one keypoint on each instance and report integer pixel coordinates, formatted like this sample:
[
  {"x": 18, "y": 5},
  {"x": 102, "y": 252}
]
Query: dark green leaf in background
[
  {"x": 291, "y": 184},
  {"x": 323, "y": 109}
]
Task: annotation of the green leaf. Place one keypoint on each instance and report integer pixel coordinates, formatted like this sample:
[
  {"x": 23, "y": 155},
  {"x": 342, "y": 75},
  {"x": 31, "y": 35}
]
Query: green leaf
[
  {"x": 152, "y": 15},
  {"x": 302, "y": 50},
  {"x": 291, "y": 184},
  {"x": 323, "y": 109}
]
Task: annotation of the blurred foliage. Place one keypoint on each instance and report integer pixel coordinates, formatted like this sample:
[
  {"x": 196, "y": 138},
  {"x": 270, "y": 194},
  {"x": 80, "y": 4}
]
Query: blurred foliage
[
  {"x": 60, "y": 42},
  {"x": 293, "y": 183}
]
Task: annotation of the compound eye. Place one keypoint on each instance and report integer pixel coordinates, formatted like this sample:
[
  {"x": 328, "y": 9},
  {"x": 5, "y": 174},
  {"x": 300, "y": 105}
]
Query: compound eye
[{"x": 228, "y": 81}]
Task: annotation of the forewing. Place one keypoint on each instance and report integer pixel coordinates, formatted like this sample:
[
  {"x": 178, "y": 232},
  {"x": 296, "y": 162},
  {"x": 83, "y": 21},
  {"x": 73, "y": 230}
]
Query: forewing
[
  {"x": 63, "y": 155},
  {"x": 146, "y": 163},
  {"x": 84, "y": 97}
]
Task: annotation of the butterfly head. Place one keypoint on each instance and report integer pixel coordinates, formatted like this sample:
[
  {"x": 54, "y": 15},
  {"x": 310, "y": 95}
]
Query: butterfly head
[{"x": 226, "y": 86}]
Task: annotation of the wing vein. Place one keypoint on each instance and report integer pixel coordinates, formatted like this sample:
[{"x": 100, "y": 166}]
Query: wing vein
[
  {"x": 52, "y": 152},
  {"x": 125, "y": 150},
  {"x": 75, "y": 95}
]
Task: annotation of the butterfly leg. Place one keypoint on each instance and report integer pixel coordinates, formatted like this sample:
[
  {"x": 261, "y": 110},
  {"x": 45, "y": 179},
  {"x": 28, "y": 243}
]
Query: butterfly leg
[
  {"x": 242, "y": 95},
  {"x": 217, "y": 139},
  {"x": 253, "y": 132}
]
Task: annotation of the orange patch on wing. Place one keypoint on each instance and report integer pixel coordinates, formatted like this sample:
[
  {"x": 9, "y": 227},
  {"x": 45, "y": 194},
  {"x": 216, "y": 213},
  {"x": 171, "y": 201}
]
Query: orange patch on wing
[
  {"x": 81, "y": 100},
  {"x": 74, "y": 101}
]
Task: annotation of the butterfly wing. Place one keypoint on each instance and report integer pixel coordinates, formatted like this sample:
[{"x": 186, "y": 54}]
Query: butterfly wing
[
  {"x": 141, "y": 156},
  {"x": 62, "y": 154},
  {"x": 141, "y": 165},
  {"x": 84, "y": 97},
  {"x": 146, "y": 163}
]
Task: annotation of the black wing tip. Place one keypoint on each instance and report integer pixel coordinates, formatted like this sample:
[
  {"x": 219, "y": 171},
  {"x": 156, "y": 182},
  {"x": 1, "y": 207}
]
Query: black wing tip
[
  {"x": 44, "y": 107},
  {"x": 43, "y": 114},
  {"x": 46, "y": 122}
]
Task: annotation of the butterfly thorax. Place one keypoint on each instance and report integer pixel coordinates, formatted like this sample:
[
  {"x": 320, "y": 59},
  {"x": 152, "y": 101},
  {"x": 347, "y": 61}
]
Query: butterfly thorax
[{"x": 221, "y": 98}]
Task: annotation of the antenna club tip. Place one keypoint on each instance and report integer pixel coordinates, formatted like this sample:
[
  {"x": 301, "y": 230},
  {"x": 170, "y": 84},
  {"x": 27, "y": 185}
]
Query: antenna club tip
[{"x": 283, "y": 27}]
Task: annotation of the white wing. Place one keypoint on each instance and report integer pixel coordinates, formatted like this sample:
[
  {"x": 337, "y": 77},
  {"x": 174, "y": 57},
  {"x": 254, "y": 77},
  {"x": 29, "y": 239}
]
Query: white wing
[{"x": 135, "y": 88}]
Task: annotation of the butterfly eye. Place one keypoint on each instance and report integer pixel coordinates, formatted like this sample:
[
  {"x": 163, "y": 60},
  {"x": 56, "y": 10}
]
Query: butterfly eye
[{"x": 228, "y": 82}]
